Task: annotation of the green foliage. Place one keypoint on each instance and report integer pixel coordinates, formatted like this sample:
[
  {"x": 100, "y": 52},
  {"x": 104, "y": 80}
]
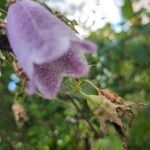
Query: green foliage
[
  {"x": 127, "y": 9},
  {"x": 140, "y": 132},
  {"x": 3, "y": 9},
  {"x": 121, "y": 64},
  {"x": 3, "y": 4},
  {"x": 110, "y": 142},
  {"x": 123, "y": 61}
]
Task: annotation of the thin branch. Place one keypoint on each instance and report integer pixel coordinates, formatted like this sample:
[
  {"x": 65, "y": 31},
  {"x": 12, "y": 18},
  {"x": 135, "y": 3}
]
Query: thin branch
[
  {"x": 90, "y": 83},
  {"x": 85, "y": 118},
  {"x": 97, "y": 135},
  {"x": 3, "y": 11}
]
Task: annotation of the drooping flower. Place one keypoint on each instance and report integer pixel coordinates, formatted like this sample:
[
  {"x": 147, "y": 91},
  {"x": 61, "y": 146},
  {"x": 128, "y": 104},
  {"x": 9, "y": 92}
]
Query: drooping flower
[{"x": 45, "y": 47}]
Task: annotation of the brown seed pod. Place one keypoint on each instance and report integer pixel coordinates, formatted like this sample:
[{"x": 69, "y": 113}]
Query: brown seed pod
[
  {"x": 19, "y": 114},
  {"x": 113, "y": 97}
]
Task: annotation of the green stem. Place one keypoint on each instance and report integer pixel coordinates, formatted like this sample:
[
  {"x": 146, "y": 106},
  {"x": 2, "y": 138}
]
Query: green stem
[
  {"x": 86, "y": 119},
  {"x": 85, "y": 96},
  {"x": 90, "y": 83},
  {"x": 3, "y": 11}
]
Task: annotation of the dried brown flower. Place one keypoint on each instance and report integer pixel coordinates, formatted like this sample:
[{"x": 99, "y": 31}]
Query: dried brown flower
[{"x": 19, "y": 114}]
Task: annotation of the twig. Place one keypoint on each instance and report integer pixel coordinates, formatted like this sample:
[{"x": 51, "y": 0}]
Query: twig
[
  {"x": 78, "y": 110},
  {"x": 56, "y": 100},
  {"x": 86, "y": 119},
  {"x": 3, "y": 11},
  {"x": 90, "y": 83}
]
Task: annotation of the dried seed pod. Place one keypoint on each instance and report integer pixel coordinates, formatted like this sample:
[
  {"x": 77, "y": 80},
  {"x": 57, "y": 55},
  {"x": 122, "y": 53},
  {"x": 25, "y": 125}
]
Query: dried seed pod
[
  {"x": 108, "y": 107},
  {"x": 19, "y": 114},
  {"x": 110, "y": 95}
]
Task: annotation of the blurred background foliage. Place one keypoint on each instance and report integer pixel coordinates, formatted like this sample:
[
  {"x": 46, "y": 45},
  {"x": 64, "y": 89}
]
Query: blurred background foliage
[{"x": 122, "y": 64}]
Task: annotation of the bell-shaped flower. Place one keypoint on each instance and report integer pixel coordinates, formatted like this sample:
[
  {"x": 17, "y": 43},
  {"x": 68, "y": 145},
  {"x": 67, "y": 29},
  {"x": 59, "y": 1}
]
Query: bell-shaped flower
[{"x": 46, "y": 48}]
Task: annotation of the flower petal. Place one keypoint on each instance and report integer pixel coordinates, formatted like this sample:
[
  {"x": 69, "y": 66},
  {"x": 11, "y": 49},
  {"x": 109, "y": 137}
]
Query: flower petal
[
  {"x": 48, "y": 76},
  {"x": 74, "y": 63},
  {"x": 36, "y": 31},
  {"x": 86, "y": 45},
  {"x": 31, "y": 88},
  {"x": 46, "y": 48},
  {"x": 48, "y": 79}
]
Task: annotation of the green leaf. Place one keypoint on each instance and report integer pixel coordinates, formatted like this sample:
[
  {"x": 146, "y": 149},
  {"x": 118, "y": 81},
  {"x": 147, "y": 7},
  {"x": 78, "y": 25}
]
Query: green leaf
[
  {"x": 127, "y": 10},
  {"x": 140, "y": 131},
  {"x": 2, "y": 8}
]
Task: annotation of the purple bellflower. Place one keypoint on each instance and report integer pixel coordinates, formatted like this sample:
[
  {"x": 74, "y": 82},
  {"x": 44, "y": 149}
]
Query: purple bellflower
[{"x": 46, "y": 48}]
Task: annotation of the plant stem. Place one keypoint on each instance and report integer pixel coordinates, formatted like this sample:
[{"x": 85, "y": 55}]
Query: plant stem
[
  {"x": 86, "y": 119},
  {"x": 90, "y": 83},
  {"x": 3, "y": 11}
]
